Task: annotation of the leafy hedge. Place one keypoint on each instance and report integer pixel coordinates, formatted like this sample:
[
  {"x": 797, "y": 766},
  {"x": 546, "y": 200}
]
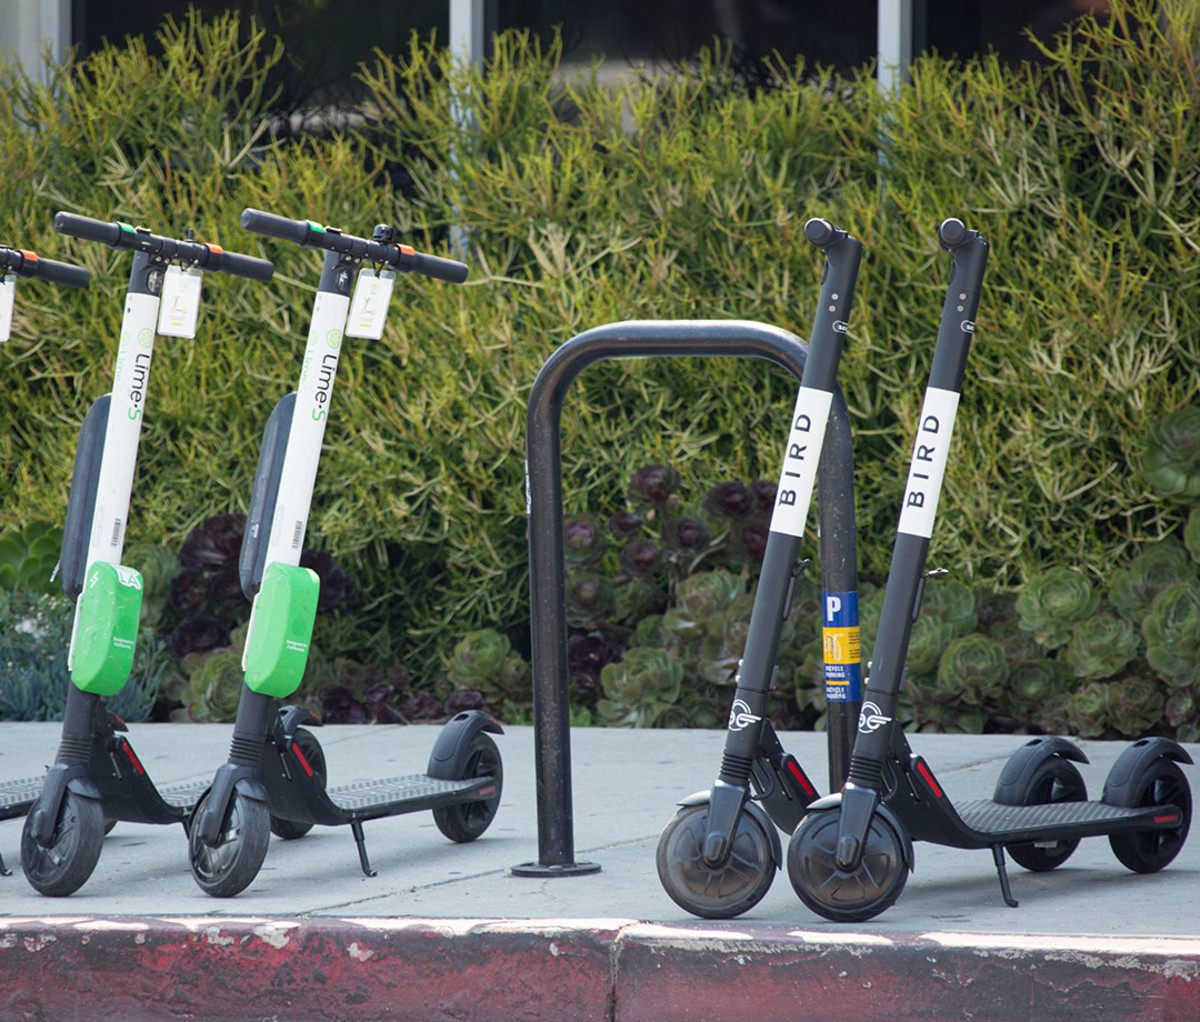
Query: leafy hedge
[{"x": 669, "y": 198}]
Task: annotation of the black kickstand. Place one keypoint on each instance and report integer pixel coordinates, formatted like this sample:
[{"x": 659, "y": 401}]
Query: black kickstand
[
  {"x": 361, "y": 841},
  {"x": 1005, "y": 889},
  {"x": 4, "y": 870}
]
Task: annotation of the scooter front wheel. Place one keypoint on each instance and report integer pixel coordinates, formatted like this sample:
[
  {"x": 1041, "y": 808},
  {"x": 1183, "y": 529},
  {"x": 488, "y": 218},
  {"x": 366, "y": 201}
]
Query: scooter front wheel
[
  {"x": 728, "y": 890},
  {"x": 230, "y": 866},
  {"x": 63, "y": 866},
  {"x": 839, "y": 895},
  {"x": 465, "y": 821}
]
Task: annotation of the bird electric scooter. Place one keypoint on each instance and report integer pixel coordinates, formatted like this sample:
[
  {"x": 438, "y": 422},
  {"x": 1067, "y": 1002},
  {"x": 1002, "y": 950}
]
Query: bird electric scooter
[
  {"x": 17, "y": 796},
  {"x": 97, "y": 778},
  {"x": 282, "y": 788},
  {"x": 851, "y": 855},
  {"x": 718, "y": 855}
]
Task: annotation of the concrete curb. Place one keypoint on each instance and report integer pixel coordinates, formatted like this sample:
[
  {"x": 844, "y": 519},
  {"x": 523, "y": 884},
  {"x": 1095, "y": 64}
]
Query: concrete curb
[{"x": 614, "y": 970}]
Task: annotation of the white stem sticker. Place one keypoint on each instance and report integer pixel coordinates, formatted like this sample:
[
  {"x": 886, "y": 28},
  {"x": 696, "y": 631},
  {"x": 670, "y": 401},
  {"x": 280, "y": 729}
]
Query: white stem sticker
[
  {"x": 799, "y": 474},
  {"x": 930, "y": 454},
  {"x": 8, "y": 290}
]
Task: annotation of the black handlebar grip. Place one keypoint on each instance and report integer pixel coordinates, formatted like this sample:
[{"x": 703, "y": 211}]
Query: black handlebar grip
[
  {"x": 61, "y": 273},
  {"x": 239, "y": 265},
  {"x": 104, "y": 231},
  {"x": 819, "y": 232},
  {"x": 952, "y": 233},
  {"x": 449, "y": 270},
  {"x": 275, "y": 226}
]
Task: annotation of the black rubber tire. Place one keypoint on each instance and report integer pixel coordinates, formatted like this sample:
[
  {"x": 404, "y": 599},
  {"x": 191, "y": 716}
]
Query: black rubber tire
[
  {"x": 231, "y": 866},
  {"x": 467, "y": 820},
  {"x": 62, "y": 867},
  {"x": 1055, "y": 780},
  {"x": 733, "y": 888},
  {"x": 832, "y": 892},
  {"x": 289, "y": 830},
  {"x": 1148, "y": 851}
]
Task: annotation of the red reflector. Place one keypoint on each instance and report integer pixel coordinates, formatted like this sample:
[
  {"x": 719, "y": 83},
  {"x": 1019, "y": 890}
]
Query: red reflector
[
  {"x": 923, "y": 770},
  {"x": 490, "y": 790},
  {"x": 132, "y": 757},
  {"x": 1169, "y": 818},
  {"x": 303, "y": 762},
  {"x": 797, "y": 773}
]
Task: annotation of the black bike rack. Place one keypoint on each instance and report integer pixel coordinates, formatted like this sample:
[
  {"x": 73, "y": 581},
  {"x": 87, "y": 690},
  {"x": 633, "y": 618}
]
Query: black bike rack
[{"x": 547, "y": 568}]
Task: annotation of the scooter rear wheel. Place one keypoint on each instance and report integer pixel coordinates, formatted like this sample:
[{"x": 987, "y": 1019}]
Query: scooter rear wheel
[
  {"x": 1055, "y": 780},
  {"x": 735, "y": 887},
  {"x": 1148, "y": 851},
  {"x": 63, "y": 866},
  {"x": 838, "y": 895},
  {"x": 230, "y": 866},
  {"x": 467, "y": 820},
  {"x": 314, "y": 755}
]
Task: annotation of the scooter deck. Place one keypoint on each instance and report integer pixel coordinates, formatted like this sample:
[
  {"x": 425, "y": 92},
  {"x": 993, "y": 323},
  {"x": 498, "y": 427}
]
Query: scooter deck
[
  {"x": 400, "y": 794},
  {"x": 184, "y": 796},
  {"x": 995, "y": 822},
  {"x": 17, "y": 797}
]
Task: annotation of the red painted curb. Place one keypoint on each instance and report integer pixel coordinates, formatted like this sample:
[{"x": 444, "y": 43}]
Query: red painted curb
[
  {"x": 248, "y": 970},
  {"x": 666, "y": 974}
]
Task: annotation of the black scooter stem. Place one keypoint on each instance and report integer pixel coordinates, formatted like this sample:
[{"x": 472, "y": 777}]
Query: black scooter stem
[
  {"x": 772, "y": 600},
  {"x": 901, "y": 601}
]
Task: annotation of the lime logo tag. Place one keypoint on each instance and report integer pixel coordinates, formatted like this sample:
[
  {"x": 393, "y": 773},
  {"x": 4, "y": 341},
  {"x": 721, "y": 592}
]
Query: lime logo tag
[
  {"x": 137, "y": 388},
  {"x": 325, "y": 382},
  {"x": 740, "y": 716},
  {"x": 333, "y": 338},
  {"x": 871, "y": 719},
  {"x": 145, "y": 337}
]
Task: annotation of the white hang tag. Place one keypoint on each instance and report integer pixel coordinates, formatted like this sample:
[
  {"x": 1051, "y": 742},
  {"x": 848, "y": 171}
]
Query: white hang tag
[
  {"x": 368, "y": 309},
  {"x": 8, "y": 290},
  {"x": 179, "y": 305}
]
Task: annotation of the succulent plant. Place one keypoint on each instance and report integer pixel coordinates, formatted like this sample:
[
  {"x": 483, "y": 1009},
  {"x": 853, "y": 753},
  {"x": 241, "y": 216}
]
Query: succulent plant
[
  {"x": 338, "y": 593},
  {"x": 1191, "y": 534},
  {"x": 1134, "y": 587},
  {"x": 483, "y": 662},
  {"x": 930, "y": 636},
  {"x": 591, "y": 598},
  {"x": 1018, "y": 644},
  {"x": 28, "y": 557},
  {"x": 730, "y": 500},
  {"x": 1172, "y": 631},
  {"x": 1100, "y": 646},
  {"x": 1034, "y": 683},
  {"x": 952, "y": 602},
  {"x": 625, "y": 524},
  {"x": 198, "y": 634},
  {"x": 212, "y": 682},
  {"x": 706, "y": 593},
  {"x": 993, "y": 609},
  {"x": 1089, "y": 709},
  {"x": 649, "y": 632},
  {"x": 685, "y": 534},
  {"x": 214, "y": 543},
  {"x": 652, "y": 486},
  {"x": 975, "y": 666},
  {"x": 1171, "y": 460},
  {"x": 1136, "y": 706},
  {"x": 158, "y": 566},
  {"x": 584, "y": 541},
  {"x": 640, "y": 688},
  {"x": 1053, "y": 602},
  {"x": 635, "y": 599},
  {"x": 642, "y": 558}
]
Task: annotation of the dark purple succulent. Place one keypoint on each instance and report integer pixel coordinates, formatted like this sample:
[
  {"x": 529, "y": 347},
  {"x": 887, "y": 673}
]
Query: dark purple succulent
[
  {"x": 379, "y": 703},
  {"x": 588, "y": 653},
  {"x": 339, "y": 706},
  {"x": 641, "y": 558},
  {"x": 215, "y": 543},
  {"x": 584, "y": 539},
  {"x": 464, "y": 699},
  {"x": 751, "y": 541},
  {"x": 198, "y": 635},
  {"x": 225, "y": 587},
  {"x": 730, "y": 500},
  {"x": 625, "y": 524},
  {"x": 764, "y": 494},
  {"x": 652, "y": 485},
  {"x": 684, "y": 534},
  {"x": 339, "y": 591},
  {"x": 421, "y": 706},
  {"x": 189, "y": 590},
  {"x": 590, "y": 598}
]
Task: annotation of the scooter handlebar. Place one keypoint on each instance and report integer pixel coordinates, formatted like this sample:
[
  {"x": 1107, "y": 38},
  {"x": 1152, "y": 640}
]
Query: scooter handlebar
[
  {"x": 59, "y": 273},
  {"x": 449, "y": 270},
  {"x": 281, "y": 227},
  {"x": 239, "y": 265},
  {"x": 104, "y": 231}
]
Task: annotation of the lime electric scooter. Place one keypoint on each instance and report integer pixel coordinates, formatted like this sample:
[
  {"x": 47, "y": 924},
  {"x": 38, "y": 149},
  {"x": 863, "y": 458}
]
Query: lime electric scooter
[
  {"x": 281, "y": 787},
  {"x": 97, "y": 778},
  {"x": 17, "y": 796}
]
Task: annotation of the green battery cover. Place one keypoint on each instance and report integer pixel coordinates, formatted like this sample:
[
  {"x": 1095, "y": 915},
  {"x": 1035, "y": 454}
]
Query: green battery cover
[
  {"x": 284, "y": 612},
  {"x": 109, "y": 610}
]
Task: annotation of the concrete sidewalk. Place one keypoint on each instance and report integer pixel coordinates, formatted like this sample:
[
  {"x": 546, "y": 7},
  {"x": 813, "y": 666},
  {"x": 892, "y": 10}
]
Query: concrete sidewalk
[{"x": 445, "y": 932}]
